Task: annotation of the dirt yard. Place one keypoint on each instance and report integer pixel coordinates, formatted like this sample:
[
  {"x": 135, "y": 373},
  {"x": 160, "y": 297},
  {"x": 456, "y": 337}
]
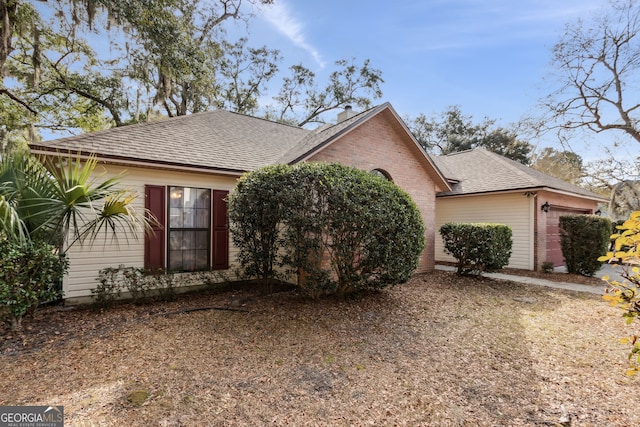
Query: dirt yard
[{"x": 438, "y": 351}]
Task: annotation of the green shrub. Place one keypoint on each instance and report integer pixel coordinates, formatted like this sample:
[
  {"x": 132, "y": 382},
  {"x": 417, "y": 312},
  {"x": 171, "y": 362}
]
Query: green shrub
[
  {"x": 255, "y": 221},
  {"x": 141, "y": 285},
  {"x": 136, "y": 283},
  {"x": 370, "y": 229},
  {"x": 164, "y": 282},
  {"x": 477, "y": 247},
  {"x": 30, "y": 274},
  {"x": 110, "y": 287},
  {"x": 584, "y": 238},
  {"x": 547, "y": 267},
  {"x": 339, "y": 229}
]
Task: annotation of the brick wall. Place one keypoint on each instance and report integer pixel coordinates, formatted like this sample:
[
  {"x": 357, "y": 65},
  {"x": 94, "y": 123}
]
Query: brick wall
[{"x": 382, "y": 143}]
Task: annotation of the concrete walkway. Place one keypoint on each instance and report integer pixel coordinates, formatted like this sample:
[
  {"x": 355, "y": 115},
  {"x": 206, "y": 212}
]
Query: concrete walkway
[{"x": 600, "y": 290}]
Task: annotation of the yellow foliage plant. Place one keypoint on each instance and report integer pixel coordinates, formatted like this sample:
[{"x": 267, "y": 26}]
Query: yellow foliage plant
[{"x": 625, "y": 294}]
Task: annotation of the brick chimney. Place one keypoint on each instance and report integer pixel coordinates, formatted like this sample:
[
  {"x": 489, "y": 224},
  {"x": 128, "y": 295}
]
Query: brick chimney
[{"x": 346, "y": 114}]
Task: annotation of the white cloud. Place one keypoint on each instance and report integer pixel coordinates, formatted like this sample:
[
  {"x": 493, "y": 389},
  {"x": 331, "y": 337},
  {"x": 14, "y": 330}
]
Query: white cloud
[{"x": 280, "y": 16}]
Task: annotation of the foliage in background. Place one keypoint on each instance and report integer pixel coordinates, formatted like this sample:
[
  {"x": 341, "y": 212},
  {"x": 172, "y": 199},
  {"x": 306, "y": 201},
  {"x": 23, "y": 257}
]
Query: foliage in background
[
  {"x": 339, "y": 229},
  {"x": 452, "y": 131},
  {"x": 477, "y": 247},
  {"x": 565, "y": 165},
  {"x": 29, "y": 274},
  {"x": 584, "y": 238},
  {"x": 168, "y": 58},
  {"x": 625, "y": 294}
]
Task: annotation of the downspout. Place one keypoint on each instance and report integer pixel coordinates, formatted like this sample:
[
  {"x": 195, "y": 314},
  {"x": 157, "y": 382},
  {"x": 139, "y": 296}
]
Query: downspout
[{"x": 533, "y": 232}]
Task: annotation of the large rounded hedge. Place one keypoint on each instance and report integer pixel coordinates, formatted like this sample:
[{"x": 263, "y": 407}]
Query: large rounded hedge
[{"x": 337, "y": 228}]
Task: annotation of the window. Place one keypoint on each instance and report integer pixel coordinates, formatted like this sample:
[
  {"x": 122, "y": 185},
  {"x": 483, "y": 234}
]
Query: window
[
  {"x": 189, "y": 228},
  {"x": 190, "y": 231},
  {"x": 382, "y": 174}
]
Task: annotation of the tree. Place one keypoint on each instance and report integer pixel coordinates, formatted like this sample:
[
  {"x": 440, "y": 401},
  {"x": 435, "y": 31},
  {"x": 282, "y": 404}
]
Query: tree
[
  {"x": 23, "y": 29},
  {"x": 301, "y": 102},
  {"x": 452, "y": 132},
  {"x": 243, "y": 74},
  {"x": 506, "y": 143},
  {"x": 167, "y": 53},
  {"x": 608, "y": 175},
  {"x": 598, "y": 64},
  {"x": 168, "y": 57},
  {"x": 180, "y": 48},
  {"x": 55, "y": 92},
  {"x": 565, "y": 165}
]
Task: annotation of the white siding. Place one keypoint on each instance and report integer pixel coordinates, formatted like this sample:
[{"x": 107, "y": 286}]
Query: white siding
[
  {"x": 514, "y": 210},
  {"x": 86, "y": 262}
]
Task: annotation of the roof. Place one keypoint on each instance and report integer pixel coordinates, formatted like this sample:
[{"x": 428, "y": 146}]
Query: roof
[
  {"x": 480, "y": 171},
  {"x": 220, "y": 141}
]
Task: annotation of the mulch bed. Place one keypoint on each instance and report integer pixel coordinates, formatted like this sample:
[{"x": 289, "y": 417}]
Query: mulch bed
[{"x": 439, "y": 350}]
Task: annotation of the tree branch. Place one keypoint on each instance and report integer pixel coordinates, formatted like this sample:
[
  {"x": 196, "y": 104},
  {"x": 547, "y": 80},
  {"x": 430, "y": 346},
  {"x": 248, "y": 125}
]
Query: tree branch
[{"x": 18, "y": 100}]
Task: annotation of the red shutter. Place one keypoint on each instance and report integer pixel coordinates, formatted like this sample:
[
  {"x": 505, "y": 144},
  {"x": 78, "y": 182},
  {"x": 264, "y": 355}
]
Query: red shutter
[
  {"x": 219, "y": 231},
  {"x": 154, "y": 242}
]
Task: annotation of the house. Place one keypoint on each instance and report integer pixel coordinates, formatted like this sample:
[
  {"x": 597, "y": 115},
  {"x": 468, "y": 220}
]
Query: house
[
  {"x": 487, "y": 187},
  {"x": 184, "y": 167}
]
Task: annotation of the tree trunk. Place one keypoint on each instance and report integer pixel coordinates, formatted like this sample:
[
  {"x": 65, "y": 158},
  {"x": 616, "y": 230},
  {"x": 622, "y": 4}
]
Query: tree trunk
[{"x": 16, "y": 323}]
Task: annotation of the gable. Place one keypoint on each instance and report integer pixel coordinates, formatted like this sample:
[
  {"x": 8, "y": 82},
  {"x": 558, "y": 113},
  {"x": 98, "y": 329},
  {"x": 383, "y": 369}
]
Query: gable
[
  {"x": 379, "y": 140},
  {"x": 480, "y": 171}
]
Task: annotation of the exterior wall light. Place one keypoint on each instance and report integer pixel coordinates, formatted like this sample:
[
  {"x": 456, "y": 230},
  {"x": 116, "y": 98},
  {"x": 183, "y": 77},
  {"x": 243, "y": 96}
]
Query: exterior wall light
[{"x": 545, "y": 207}]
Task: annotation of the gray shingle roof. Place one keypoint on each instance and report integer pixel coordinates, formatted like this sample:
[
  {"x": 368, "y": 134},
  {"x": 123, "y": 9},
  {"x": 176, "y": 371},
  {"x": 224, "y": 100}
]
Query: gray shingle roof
[
  {"x": 219, "y": 141},
  {"x": 212, "y": 140},
  {"x": 482, "y": 171}
]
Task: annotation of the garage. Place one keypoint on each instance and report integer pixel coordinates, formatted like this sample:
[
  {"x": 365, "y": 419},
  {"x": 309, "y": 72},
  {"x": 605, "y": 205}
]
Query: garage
[{"x": 554, "y": 250}]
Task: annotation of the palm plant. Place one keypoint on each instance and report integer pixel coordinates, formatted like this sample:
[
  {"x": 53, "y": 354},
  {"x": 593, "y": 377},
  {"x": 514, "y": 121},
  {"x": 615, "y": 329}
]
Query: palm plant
[
  {"x": 47, "y": 205},
  {"x": 57, "y": 200}
]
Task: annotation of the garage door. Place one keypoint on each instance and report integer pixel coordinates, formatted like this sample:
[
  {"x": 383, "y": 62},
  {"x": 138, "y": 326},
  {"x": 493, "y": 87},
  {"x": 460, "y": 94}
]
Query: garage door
[{"x": 554, "y": 251}]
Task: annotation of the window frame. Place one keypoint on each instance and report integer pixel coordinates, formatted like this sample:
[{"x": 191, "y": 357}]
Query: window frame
[{"x": 170, "y": 229}]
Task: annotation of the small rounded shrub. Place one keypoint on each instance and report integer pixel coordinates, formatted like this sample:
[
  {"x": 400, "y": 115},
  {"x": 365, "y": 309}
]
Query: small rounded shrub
[
  {"x": 30, "y": 273},
  {"x": 477, "y": 247}
]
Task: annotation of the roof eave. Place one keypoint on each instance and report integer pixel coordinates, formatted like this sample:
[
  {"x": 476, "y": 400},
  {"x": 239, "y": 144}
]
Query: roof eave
[
  {"x": 128, "y": 161},
  {"x": 595, "y": 198}
]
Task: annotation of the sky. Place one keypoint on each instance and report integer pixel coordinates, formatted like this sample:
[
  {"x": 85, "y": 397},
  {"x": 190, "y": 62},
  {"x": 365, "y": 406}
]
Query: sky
[{"x": 490, "y": 57}]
